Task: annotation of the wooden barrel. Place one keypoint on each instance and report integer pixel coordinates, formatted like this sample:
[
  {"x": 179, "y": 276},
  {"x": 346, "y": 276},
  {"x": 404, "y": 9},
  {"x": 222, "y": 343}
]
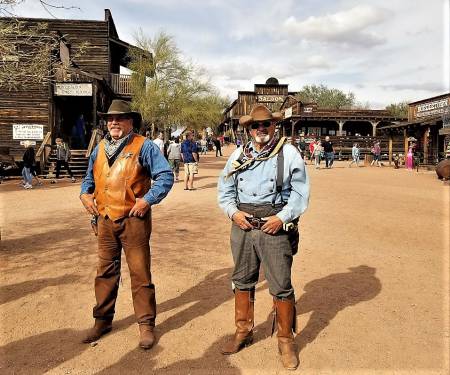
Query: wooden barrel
[{"x": 443, "y": 169}]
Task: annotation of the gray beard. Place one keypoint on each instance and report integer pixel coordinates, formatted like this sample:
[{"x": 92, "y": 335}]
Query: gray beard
[{"x": 263, "y": 139}]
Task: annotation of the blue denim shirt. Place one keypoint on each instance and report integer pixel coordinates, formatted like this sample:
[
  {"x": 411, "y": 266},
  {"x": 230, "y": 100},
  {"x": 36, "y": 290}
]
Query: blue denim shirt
[
  {"x": 153, "y": 161},
  {"x": 187, "y": 149},
  {"x": 257, "y": 184}
]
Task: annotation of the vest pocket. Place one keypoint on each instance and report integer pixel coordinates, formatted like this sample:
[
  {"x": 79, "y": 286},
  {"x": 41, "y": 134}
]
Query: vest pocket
[{"x": 131, "y": 193}]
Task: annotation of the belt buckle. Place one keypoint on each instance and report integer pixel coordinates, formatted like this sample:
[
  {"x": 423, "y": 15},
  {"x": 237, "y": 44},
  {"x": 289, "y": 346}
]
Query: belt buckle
[{"x": 256, "y": 222}]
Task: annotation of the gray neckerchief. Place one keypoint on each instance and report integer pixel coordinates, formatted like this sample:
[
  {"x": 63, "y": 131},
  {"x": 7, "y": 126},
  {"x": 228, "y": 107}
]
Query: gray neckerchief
[{"x": 113, "y": 147}]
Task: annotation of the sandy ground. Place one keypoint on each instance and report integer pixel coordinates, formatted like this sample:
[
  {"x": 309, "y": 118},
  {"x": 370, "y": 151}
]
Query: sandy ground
[{"x": 371, "y": 281}]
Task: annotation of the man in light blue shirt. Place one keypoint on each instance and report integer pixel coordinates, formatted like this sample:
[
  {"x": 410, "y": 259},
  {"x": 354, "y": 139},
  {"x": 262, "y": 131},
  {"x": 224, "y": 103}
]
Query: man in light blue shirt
[{"x": 263, "y": 189}]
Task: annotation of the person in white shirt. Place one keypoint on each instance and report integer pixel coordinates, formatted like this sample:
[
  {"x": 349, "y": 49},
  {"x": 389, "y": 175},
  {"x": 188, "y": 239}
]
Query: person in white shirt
[{"x": 160, "y": 142}]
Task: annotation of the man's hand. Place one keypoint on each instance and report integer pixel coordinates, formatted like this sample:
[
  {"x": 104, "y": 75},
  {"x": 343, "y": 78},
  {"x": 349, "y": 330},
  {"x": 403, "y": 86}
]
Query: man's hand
[
  {"x": 89, "y": 203},
  {"x": 240, "y": 218},
  {"x": 140, "y": 208},
  {"x": 273, "y": 224}
]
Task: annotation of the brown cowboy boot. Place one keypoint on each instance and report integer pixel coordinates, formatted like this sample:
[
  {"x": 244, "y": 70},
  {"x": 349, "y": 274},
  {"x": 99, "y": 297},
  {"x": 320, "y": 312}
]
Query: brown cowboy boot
[
  {"x": 243, "y": 316},
  {"x": 285, "y": 315},
  {"x": 147, "y": 337},
  {"x": 100, "y": 328}
]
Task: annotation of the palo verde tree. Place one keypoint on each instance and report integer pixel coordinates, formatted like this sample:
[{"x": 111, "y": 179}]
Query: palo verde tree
[{"x": 167, "y": 90}]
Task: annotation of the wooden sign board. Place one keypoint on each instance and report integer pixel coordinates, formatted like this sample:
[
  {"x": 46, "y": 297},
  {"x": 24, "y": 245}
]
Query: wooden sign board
[
  {"x": 28, "y": 131},
  {"x": 73, "y": 89},
  {"x": 431, "y": 108},
  {"x": 270, "y": 98}
]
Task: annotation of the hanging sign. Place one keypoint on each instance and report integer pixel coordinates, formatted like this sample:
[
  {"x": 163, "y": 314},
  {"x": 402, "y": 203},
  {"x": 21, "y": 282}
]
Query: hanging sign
[
  {"x": 288, "y": 112},
  {"x": 73, "y": 89},
  {"x": 28, "y": 131}
]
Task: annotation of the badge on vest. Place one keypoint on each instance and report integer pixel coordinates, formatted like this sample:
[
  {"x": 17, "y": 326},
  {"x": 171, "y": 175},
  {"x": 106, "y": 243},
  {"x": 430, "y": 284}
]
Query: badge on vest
[{"x": 127, "y": 155}]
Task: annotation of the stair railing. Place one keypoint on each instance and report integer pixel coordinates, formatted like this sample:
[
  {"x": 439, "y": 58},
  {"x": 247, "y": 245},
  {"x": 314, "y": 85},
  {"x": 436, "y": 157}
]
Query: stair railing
[
  {"x": 92, "y": 143},
  {"x": 43, "y": 152}
]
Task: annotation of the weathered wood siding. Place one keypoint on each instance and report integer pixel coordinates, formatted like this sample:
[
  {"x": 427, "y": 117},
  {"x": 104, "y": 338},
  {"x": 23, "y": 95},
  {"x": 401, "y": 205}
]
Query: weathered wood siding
[{"x": 32, "y": 104}]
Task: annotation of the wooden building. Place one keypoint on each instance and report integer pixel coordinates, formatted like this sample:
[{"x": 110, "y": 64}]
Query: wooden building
[
  {"x": 272, "y": 94},
  {"x": 344, "y": 126},
  {"x": 428, "y": 127},
  {"x": 82, "y": 86}
]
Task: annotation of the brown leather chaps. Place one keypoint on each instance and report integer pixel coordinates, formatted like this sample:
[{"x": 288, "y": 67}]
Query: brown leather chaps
[{"x": 133, "y": 235}]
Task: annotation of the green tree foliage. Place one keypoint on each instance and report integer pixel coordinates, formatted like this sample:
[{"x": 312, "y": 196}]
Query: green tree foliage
[
  {"x": 326, "y": 97},
  {"x": 398, "y": 109},
  {"x": 169, "y": 91}
]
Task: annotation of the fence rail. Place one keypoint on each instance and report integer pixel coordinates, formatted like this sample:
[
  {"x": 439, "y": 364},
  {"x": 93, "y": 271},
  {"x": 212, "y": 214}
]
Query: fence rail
[{"x": 121, "y": 84}]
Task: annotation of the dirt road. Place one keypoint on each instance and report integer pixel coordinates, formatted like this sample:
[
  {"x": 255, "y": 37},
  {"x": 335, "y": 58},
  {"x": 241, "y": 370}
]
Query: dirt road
[{"x": 371, "y": 281}]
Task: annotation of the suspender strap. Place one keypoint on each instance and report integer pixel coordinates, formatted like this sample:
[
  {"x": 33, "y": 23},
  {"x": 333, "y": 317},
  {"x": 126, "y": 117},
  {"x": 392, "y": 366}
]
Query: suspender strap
[{"x": 280, "y": 173}]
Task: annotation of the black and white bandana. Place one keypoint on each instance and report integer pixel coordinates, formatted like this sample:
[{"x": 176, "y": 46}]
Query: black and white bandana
[{"x": 113, "y": 147}]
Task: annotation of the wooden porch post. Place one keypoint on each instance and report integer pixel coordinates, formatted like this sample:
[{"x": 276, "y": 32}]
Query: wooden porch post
[
  {"x": 405, "y": 139},
  {"x": 94, "y": 104},
  {"x": 425, "y": 144},
  {"x": 390, "y": 149},
  {"x": 374, "y": 127},
  {"x": 293, "y": 128}
]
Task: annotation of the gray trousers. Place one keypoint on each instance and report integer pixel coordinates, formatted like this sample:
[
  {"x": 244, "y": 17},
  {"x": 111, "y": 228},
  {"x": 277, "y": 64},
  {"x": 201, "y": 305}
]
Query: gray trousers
[{"x": 254, "y": 248}]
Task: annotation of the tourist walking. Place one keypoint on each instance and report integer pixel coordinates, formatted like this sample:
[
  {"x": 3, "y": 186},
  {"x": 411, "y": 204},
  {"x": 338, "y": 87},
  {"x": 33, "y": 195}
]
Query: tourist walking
[
  {"x": 174, "y": 156},
  {"x": 126, "y": 176},
  {"x": 218, "y": 146},
  {"x": 410, "y": 158},
  {"x": 28, "y": 161},
  {"x": 159, "y": 141},
  {"x": 203, "y": 146},
  {"x": 376, "y": 151},
  {"x": 302, "y": 147},
  {"x": 329, "y": 152},
  {"x": 263, "y": 189},
  {"x": 311, "y": 149},
  {"x": 317, "y": 152},
  {"x": 355, "y": 155},
  {"x": 189, "y": 156}
]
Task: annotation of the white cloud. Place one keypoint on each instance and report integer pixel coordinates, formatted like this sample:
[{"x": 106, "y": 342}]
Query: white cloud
[{"x": 346, "y": 27}]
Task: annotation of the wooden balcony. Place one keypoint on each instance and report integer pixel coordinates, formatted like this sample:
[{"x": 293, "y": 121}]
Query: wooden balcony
[{"x": 121, "y": 84}]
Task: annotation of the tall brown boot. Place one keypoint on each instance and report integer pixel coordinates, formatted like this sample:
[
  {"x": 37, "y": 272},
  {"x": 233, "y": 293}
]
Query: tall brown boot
[
  {"x": 244, "y": 317},
  {"x": 100, "y": 328},
  {"x": 285, "y": 315},
  {"x": 147, "y": 337}
]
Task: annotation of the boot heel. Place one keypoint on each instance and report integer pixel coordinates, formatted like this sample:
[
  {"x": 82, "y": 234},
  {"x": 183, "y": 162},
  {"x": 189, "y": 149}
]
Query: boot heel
[{"x": 248, "y": 341}]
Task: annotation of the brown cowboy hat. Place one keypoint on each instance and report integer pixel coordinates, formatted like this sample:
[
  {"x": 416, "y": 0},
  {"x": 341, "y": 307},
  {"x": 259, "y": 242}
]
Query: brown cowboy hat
[
  {"x": 121, "y": 107},
  {"x": 260, "y": 113}
]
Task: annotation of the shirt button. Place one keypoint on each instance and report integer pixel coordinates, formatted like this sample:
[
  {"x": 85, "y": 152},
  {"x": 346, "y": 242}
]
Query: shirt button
[
  {"x": 240, "y": 190},
  {"x": 271, "y": 179},
  {"x": 241, "y": 179},
  {"x": 254, "y": 194}
]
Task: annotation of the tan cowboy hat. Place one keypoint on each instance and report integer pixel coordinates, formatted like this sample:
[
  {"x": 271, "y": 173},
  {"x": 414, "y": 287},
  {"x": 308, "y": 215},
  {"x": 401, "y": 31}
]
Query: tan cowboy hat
[
  {"x": 260, "y": 113},
  {"x": 121, "y": 107}
]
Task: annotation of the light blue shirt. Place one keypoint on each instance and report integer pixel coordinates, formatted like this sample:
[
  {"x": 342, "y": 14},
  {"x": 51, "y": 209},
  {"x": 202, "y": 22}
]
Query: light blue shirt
[
  {"x": 257, "y": 184},
  {"x": 158, "y": 169}
]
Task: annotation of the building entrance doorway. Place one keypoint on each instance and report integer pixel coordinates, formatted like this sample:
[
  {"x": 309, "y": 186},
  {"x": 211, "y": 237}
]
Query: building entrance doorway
[{"x": 73, "y": 120}]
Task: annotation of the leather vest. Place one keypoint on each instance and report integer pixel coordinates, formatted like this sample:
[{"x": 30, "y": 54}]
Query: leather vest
[{"x": 118, "y": 186}]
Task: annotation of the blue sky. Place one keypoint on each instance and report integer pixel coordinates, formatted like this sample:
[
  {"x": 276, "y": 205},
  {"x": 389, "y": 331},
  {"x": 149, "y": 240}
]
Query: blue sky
[{"x": 382, "y": 50}]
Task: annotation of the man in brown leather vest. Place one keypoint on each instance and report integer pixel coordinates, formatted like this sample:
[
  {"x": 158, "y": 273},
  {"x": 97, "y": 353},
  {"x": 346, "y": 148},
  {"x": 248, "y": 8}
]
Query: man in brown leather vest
[{"x": 117, "y": 190}]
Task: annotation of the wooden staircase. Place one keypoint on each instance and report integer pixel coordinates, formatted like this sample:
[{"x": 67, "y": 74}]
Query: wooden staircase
[{"x": 78, "y": 164}]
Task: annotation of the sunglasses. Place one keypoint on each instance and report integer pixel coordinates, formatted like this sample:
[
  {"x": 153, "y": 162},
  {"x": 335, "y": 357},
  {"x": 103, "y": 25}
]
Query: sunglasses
[
  {"x": 118, "y": 117},
  {"x": 257, "y": 124}
]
